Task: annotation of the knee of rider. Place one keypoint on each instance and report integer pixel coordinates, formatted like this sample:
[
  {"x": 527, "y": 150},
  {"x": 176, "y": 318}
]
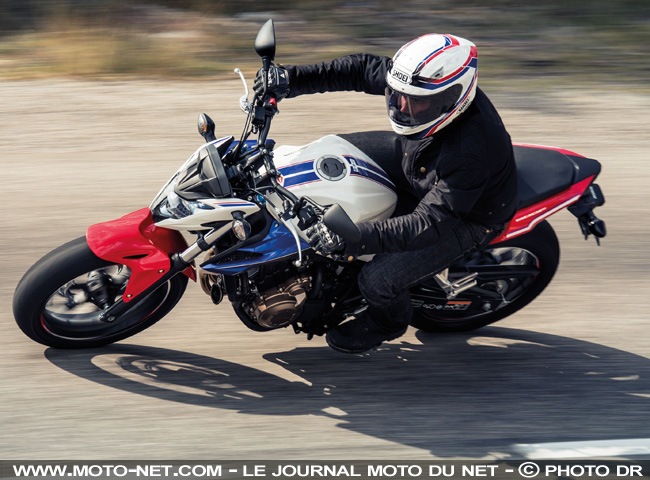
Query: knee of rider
[{"x": 375, "y": 288}]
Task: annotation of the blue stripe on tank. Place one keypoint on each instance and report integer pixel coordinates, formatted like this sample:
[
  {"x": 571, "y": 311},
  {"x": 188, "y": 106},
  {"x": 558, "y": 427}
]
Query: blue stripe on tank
[
  {"x": 374, "y": 168},
  {"x": 296, "y": 168},
  {"x": 301, "y": 178}
]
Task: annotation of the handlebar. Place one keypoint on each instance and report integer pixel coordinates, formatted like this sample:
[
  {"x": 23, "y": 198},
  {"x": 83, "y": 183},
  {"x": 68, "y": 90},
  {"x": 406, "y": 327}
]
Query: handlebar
[{"x": 260, "y": 112}]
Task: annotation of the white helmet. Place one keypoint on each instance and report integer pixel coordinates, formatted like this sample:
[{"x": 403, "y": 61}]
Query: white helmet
[{"x": 430, "y": 82}]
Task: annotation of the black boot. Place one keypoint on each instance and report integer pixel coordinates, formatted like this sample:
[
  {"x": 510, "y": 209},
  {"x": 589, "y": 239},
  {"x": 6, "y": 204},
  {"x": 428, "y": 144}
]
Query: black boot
[{"x": 371, "y": 327}]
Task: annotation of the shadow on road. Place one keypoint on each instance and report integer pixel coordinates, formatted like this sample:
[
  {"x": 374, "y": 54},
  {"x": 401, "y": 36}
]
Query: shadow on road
[{"x": 469, "y": 395}]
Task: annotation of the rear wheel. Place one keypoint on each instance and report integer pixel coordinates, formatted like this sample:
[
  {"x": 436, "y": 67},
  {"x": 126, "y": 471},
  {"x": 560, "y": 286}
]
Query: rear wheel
[
  {"x": 59, "y": 300},
  {"x": 511, "y": 275}
]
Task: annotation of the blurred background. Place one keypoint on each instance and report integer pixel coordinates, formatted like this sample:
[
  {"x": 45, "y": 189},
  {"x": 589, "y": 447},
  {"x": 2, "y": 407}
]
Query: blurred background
[{"x": 556, "y": 41}]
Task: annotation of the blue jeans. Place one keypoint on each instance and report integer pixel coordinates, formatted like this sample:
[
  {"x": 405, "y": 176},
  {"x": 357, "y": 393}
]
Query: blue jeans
[{"x": 385, "y": 280}]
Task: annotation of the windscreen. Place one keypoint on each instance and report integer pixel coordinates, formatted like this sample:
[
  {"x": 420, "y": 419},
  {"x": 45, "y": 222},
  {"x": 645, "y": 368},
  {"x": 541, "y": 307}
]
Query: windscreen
[{"x": 204, "y": 177}]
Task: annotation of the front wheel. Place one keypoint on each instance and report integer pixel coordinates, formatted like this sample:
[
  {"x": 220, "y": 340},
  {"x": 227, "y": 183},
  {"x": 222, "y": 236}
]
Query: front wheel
[
  {"x": 59, "y": 300},
  {"x": 511, "y": 275}
]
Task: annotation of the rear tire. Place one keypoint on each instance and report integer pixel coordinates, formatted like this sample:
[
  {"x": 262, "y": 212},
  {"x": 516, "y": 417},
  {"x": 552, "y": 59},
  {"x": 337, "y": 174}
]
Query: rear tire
[
  {"x": 41, "y": 313},
  {"x": 541, "y": 244}
]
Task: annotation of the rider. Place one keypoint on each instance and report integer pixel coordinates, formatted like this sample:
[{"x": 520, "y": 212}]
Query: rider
[{"x": 450, "y": 153}]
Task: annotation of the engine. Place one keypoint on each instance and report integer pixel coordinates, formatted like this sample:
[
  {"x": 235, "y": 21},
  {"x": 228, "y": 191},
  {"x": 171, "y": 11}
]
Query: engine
[
  {"x": 280, "y": 305},
  {"x": 282, "y": 294}
]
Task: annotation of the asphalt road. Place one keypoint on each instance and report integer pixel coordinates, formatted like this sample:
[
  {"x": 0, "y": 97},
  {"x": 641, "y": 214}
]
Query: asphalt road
[{"x": 573, "y": 367}]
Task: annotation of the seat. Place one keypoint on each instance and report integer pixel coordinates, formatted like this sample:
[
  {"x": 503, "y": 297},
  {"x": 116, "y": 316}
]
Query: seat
[{"x": 542, "y": 173}]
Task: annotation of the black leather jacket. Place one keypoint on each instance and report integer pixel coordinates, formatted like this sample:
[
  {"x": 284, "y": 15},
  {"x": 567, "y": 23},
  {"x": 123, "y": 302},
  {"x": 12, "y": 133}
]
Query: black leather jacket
[{"x": 466, "y": 172}]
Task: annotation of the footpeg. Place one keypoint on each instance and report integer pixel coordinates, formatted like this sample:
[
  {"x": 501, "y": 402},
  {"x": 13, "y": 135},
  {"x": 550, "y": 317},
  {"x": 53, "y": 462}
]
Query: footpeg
[{"x": 453, "y": 289}]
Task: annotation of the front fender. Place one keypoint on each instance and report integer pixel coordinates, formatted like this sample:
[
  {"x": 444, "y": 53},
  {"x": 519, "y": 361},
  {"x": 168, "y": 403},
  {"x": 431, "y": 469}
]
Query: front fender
[{"x": 136, "y": 242}]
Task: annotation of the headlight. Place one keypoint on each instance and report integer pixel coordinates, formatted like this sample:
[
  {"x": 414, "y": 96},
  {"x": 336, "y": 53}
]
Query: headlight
[
  {"x": 170, "y": 205},
  {"x": 178, "y": 207}
]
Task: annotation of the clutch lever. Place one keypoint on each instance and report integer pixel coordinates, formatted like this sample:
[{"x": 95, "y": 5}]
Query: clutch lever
[{"x": 244, "y": 103}]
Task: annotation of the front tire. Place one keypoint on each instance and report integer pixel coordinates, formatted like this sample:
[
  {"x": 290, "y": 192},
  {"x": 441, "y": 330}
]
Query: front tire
[
  {"x": 55, "y": 303},
  {"x": 539, "y": 248}
]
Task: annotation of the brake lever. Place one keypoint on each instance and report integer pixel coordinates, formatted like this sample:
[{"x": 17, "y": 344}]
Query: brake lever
[{"x": 287, "y": 223}]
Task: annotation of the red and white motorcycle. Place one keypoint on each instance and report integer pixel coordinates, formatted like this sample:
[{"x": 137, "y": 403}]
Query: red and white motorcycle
[{"x": 248, "y": 206}]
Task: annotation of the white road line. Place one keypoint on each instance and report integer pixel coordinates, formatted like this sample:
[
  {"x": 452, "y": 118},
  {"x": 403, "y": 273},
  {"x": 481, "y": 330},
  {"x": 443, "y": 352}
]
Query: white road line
[{"x": 597, "y": 448}]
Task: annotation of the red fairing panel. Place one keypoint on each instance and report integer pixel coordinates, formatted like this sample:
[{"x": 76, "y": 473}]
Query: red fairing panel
[
  {"x": 526, "y": 219},
  {"x": 136, "y": 242}
]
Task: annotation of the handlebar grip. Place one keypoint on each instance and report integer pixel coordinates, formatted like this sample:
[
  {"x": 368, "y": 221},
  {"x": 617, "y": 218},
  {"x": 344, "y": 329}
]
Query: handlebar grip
[{"x": 338, "y": 221}]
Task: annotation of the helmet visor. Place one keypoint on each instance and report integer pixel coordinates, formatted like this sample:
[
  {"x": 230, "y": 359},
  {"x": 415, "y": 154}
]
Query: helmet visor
[{"x": 412, "y": 111}]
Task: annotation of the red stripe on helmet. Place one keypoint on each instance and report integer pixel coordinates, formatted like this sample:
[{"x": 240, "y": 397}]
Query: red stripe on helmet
[
  {"x": 454, "y": 43},
  {"x": 472, "y": 54},
  {"x": 457, "y": 72},
  {"x": 454, "y": 40}
]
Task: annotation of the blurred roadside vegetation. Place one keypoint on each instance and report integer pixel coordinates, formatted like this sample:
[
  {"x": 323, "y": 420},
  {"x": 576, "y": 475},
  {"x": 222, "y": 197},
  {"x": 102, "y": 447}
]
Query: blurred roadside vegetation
[{"x": 522, "y": 43}]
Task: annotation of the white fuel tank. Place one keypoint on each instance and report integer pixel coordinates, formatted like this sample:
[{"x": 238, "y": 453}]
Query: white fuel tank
[{"x": 332, "y": 170}]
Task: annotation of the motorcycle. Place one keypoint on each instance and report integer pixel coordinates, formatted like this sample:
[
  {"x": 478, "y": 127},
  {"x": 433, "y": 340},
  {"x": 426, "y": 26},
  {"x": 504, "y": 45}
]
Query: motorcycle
[{"x": 249, "y": 206}]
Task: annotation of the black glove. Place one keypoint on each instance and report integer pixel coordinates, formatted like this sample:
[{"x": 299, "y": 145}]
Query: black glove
[
  {"x": 277, "y": 85},
  {"x": 325, "y": 241}
]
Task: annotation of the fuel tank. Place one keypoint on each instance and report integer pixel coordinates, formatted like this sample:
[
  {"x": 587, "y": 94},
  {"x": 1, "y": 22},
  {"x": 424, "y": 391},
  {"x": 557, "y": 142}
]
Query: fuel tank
[{"x": 332, "y": 170}]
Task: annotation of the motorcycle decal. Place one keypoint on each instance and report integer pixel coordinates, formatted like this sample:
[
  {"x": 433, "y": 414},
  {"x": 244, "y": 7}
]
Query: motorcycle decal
[
  {"x": 233, "y": 204},
  {"x": 136, "y": 242},
  {"x": 452, "y": 305},
  {"x": 279, "y": 243},
  {"x": 356, "y": 162},
  {"x": 301, "y": 179},
  {"x": 401, "y": 76},
  {"x": 526, "y": 219},
  {"x": 298, "y": 174},
  {"x": 294, "y": 168},
  {"x": 363, "y": 169}
]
